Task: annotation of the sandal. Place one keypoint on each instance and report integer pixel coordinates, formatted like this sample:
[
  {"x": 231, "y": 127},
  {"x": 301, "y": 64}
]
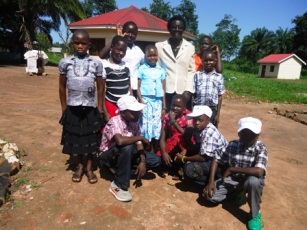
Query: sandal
[
  {"x": 77, "y": 177},
  {"x": 91, "y": 177}
]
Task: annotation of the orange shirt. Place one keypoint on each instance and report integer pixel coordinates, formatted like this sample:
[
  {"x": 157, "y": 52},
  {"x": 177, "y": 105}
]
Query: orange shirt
[{"x": 198, "y": 62}]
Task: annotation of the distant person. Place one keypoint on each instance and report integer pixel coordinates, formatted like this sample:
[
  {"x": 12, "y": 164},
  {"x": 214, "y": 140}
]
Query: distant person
[
  {"x": 245, "y": 163},
  {"x": 205, "y": 44},
  {"x": 134, "y": 55},
  {"x": 81, "y": 119},
  {"x": 151, "y": 90},
  {"x": 209, "y": 86},
  {"x": 209, "y": 139},
  {"x": 122, "y": 147},
  {"x": 115, "y": 78},
  {"x": 176, "y": 56}
]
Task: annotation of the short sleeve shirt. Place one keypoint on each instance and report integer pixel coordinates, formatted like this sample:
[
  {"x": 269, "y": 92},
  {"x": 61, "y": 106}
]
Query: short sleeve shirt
[
  {"x": 117, "y": 125},
  {"x": 81, "y": 75}
]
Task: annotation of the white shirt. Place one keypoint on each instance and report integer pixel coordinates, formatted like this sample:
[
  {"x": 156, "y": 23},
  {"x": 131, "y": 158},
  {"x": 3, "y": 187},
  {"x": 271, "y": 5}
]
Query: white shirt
[{"x": 134, "y": 58}]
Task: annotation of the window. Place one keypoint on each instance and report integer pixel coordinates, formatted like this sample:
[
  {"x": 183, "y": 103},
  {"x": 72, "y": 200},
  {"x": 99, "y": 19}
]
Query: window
[{"x": 272, "y": 68}]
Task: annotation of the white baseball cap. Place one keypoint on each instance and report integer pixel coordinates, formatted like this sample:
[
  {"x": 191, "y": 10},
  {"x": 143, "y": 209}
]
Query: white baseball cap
[
  {"x": 128, "y": 102},
  {"x": 253, "y": 124},
  {"x": 200, "y": 110}
]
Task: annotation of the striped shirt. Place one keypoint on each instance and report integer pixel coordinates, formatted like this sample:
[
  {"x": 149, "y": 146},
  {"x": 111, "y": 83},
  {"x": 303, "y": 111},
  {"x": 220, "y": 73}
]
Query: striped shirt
[
  {"x": 117, "y": 77},
  {"x": 211, "y": 140},
  {"x": 236, "y": 155},
  {"x": 208, "y": 87}
]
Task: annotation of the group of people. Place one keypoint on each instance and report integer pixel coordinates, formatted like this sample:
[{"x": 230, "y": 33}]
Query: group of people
[{"x": 140, "y": 110}]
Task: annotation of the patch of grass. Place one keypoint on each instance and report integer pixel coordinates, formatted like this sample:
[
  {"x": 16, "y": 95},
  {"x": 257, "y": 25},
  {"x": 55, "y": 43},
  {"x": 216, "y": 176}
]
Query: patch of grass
[
  {"x": 53, "y": 59},
  {"x": 19, "y": 203},
  {"x": 36, "y": 186},
  {"x": 266, "y": 89},
  {"x": 28, "y": 169},
  {"x": 46, "y": 169},
  {"x": 23, "y": 153},
  {"x": 22, "y": 181}
]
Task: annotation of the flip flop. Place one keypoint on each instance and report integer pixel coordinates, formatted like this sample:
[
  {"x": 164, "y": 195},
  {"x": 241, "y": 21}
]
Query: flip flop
[
  {"x": 77, "y": 177},
  {"x": 92, "y": 179}
]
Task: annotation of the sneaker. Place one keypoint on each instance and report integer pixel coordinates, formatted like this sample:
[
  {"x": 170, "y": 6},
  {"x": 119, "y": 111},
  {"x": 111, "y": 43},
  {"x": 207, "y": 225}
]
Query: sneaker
[
  {"x": 256, "y": 223},
  {"x": 120, "y": 194}
]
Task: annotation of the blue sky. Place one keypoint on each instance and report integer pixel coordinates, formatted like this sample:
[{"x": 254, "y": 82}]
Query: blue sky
[{"x": 249, "y": 14}]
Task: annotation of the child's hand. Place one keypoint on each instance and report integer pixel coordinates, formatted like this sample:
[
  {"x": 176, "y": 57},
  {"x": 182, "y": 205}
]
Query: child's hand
[
  {"x": 209, "y": 190},
  {"x": 140, "y": 170},
  {"x": 119, "y": 29},
  {"x": 171, "y": 115},
  {"x": 167, "y": 159}
]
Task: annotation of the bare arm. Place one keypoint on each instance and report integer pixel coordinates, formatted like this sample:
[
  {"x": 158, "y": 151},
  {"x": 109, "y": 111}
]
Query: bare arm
[
  {"x": 219, "y": 106},
  {"x": 139, "y": 91},
  {"x": 219, "y": 65},
  {"x": 62, "y": 91}
]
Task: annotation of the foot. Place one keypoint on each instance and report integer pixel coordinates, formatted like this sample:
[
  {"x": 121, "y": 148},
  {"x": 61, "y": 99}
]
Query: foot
[
  {"x": 77, "y": 176},
  {"x": 91, "y": 176},
  {"x": 255, "y": 223},
  {"x": 120, "y": 194}
]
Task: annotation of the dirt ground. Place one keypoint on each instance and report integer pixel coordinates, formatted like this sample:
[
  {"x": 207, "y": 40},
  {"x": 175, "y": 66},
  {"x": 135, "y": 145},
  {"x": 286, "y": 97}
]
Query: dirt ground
[{"x": 29, "y": 114}]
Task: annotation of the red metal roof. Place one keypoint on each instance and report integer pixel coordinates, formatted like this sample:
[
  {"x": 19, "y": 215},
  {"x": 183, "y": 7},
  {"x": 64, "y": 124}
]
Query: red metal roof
[
  {"x": 276, "y": 58},
  {"x": 143, "y": 19}
]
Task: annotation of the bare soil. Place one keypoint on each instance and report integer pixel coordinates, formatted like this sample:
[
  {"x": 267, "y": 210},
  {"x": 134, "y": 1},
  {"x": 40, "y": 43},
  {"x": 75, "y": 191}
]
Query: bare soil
[{"x": 29, "y": 114}]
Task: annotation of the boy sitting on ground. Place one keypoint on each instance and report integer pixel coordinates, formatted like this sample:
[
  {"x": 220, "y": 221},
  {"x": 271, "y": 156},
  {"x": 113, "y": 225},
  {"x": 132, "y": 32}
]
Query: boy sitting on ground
[
  {"x": 122, "y": 146},
  {"x": 246, "y": 161}
]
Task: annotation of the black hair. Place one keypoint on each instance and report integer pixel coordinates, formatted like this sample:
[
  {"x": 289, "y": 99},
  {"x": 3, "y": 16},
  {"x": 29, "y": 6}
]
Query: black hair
[
  {"x": 174, "y": 18},
  {"x": 130, "y": 23},
  {"x": 150, "y": 46},
  {"x": 205, "y": 36},
  {"x": 180, "y": 97},
  {"x": 118, "y": 38},
  {"x": 81, "y": 32}
]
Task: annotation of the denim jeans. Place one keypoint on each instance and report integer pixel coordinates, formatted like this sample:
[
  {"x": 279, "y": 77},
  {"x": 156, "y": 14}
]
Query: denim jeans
[{"x": 122, "y": 158}]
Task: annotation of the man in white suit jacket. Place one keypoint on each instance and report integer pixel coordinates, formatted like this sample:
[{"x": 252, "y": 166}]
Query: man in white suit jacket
[{"x": 176, "y": 56}]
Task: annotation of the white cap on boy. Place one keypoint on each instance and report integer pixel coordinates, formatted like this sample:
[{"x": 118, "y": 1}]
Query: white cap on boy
[
  {"x": 128, "y": 102},
  {"x": 199, "y": 110},
  {"x": 253, "y": 124}
]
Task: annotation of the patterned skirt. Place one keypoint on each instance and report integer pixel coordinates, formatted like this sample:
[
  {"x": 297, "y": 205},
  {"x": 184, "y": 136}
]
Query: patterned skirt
[{"x": 81, "y": 133}]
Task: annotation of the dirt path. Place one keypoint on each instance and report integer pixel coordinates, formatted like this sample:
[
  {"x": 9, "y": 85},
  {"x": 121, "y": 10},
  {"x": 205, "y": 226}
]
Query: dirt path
[{"x": 29, "y": 115}]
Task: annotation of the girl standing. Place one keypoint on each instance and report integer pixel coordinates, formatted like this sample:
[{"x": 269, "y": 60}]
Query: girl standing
[
  {"x": 151, "y": 88},
  {"x": 81, "y": 118}
]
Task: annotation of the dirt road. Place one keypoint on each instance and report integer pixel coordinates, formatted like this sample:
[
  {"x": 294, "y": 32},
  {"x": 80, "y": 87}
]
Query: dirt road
[{"x": 29, "y": 115}]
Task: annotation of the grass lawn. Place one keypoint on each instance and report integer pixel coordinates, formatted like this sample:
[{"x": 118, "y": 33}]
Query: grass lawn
[{"x": 265, "y": 89}]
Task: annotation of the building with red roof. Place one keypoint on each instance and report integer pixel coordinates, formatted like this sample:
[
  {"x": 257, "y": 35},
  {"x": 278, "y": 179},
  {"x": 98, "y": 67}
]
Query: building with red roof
[
  {"x": 281, "y": 66},
  {"x": 102, "y": 28}
]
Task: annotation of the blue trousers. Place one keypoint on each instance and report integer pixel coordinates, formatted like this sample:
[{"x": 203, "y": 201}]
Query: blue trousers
[{"x": 122, "y": 158}]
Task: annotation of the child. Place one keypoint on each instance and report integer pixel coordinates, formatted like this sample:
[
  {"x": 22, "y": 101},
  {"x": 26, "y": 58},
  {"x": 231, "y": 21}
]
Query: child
[
  {"x": 122, "y": 145},
  {"x": 81, "y": 118},
  {"x": 205, "y": 43},
  {"x": 174, "y": 125},
  {"x": 116, "y": 78},
  {"x": 134, "y": 56},
  {"x": 209, "y": 86},
  {"x": 151, "y": 90},
  {"x": 210, "y": 140},
  {"x": 245, "y": 161}
]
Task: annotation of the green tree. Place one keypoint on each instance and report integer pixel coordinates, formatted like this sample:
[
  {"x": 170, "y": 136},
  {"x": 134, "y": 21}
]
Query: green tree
[
  {"x": 226, "y": 36},
  {"x": 97, "y": 7},
  {"x": 187, "y": 10},
  {"x": 40, "y": 16},
  {"x": 300, "y": 37},
  {"x": 283, "y": 40},
  {"x": 161, "y": 9},
  {"x": 257, "y": 45}
]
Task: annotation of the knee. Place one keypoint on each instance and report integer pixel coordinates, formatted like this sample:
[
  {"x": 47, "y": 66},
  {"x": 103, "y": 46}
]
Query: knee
[
  {"x": 192, "y": 170},
  {"x": 253, "y": 182}
]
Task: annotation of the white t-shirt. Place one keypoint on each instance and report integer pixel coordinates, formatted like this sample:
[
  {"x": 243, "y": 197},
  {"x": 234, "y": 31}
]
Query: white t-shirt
[{"x": 134, "y": 58}]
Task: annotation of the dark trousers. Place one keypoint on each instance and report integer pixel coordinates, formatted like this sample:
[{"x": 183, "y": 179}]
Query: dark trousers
[{"x": 122, "y": 158}]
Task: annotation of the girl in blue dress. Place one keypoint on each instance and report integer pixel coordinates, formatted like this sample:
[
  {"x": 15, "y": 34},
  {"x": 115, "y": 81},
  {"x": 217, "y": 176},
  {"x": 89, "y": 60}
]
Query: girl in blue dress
[{"x": 151, "y": 92}]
